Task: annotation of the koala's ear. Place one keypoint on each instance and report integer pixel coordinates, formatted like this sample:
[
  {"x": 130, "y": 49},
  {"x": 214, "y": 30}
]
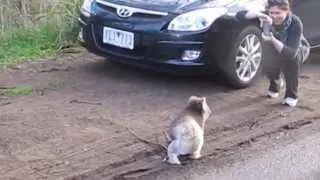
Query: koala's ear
[{"x": 204, "y": 99}]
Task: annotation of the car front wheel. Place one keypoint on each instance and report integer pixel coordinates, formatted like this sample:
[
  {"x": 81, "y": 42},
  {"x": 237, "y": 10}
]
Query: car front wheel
[{"x": 243, "y": 60}]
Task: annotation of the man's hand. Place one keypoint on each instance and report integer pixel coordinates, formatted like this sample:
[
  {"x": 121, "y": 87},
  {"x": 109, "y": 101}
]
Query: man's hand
[
  {"x": 261, "y": 16},
  {"x": 274, "y": 41},
  {"x": 268, "y": 38},
  {"x": 264, "y": 18}
]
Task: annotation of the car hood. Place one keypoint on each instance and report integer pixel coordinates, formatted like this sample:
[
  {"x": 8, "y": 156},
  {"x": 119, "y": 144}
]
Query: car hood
[{"x": 173, "y": 6}]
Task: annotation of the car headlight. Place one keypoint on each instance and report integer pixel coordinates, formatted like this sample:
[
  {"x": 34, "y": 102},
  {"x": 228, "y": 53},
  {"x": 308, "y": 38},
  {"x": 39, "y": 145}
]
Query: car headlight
[
  {"x": 196, "y": 20},
  {"x": 86, "y": 7}
]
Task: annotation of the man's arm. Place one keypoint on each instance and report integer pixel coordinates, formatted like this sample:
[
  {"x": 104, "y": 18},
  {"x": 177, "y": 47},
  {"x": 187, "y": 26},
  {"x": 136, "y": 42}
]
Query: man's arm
[
  {"x": 243, "y": 15},
  {"x": 278, "y": 45},
  {"x": 288, "y": 49}
]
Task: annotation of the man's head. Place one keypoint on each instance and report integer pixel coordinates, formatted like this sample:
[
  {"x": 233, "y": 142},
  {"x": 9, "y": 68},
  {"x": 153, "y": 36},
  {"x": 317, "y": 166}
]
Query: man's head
[{"x": 278, "y": 10}]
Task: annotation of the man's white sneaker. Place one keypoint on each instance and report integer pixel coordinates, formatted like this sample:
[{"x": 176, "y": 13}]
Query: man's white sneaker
[
  {"x": 273, "y": 94},
  {"x": 290, "y": 102}
]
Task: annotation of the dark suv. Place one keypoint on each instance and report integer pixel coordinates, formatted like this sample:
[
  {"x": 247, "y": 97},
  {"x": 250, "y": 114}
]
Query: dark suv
[{"x": 184, "y": 36}]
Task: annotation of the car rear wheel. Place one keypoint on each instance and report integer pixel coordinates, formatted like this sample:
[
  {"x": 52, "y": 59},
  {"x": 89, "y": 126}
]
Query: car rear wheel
[{"x": 243, "y": 60}]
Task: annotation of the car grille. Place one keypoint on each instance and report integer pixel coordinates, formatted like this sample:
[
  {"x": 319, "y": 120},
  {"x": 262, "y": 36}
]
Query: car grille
[{"x": 137, "y": 12}]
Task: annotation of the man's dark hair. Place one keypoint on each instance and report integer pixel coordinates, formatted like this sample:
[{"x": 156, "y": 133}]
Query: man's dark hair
[{"x": 283, "y": 4}]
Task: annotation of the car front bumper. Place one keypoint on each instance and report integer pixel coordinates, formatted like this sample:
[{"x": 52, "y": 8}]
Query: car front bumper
[{"x": 159, "y": 52}]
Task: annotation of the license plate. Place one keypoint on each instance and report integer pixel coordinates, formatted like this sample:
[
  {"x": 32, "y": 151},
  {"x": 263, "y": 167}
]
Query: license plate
[{"x": 118, "y": 37}]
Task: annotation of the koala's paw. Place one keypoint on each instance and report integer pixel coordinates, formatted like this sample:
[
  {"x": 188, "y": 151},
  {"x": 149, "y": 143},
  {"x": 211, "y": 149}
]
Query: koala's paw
[
  {"x": 196, "y": 155},
  {"x": 174, "y": 160}
]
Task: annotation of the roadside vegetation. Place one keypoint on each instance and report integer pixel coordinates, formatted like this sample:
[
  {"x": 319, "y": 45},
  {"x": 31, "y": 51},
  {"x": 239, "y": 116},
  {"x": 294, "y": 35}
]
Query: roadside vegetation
[
  {"x": 18, "y": 91},
  {"x": 35, "y": 29}
]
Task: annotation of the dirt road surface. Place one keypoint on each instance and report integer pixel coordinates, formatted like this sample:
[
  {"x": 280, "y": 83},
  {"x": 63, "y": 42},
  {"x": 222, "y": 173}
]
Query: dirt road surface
[{"x": 75, "y": 123}]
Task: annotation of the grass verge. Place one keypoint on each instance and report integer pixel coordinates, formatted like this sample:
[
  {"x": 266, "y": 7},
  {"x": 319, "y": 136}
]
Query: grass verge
[
  {"x": 18, "y": 91},
  {"x": 37, "y": 38},
  {"x": 27, "y": 44}
]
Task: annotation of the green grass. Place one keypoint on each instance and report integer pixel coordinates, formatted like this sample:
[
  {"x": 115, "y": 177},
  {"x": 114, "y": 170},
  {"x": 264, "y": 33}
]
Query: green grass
[
  {"x": 27, "y": 44},
  {"x": 41, "y": 38},
  {"x": 19, "y": 91}
]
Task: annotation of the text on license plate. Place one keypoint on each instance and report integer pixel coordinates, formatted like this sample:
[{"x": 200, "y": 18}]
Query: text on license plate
[{"x": 118, "y": 37}]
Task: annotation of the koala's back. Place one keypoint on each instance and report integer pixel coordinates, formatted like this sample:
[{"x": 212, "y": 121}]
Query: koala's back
[{"x": 188, "y": 132}]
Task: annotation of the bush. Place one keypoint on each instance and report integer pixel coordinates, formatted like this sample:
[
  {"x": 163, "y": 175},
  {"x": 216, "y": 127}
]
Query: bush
[{"x": 36, "y": 28}]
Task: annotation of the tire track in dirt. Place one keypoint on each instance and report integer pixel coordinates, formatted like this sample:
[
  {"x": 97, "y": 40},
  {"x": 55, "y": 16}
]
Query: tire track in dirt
[
  {"x": 215, "y": 154},
  {"x": 226, "y": 138},
  {"x": 66, "y": 152},
  {"x": 229, "y": 138},
  {"x": 61, "y": 157},
  {"x": 95, "y": 148}
]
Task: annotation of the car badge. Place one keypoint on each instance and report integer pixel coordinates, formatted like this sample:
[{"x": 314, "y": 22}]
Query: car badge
[{"x": 124, "y": 12}]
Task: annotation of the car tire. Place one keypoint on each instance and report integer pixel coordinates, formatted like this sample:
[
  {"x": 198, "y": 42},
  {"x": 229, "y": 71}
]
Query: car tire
[{"x": 236, "y": 62}]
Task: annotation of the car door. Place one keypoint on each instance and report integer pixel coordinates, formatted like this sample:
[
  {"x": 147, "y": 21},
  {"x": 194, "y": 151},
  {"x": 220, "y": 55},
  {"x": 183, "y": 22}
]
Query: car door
[{"x": 309, "y": 12}]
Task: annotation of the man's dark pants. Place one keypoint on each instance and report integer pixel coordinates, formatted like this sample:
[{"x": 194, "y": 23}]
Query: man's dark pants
[{"x": 274, "y": 63}]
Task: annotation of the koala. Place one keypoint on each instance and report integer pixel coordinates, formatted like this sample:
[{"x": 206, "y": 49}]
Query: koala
[{"x": 186, "y": 132}]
